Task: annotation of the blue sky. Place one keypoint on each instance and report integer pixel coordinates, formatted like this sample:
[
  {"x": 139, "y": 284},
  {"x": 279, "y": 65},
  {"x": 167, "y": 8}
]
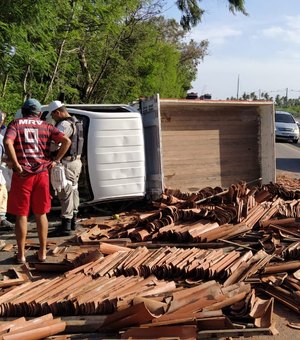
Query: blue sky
[{"x": 262, "y": 49}]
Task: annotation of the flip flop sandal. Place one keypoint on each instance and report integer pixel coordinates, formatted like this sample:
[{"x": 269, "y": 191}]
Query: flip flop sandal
[
  {"x": 20, "y": 261},
  {"x": 43, "y": 259}
]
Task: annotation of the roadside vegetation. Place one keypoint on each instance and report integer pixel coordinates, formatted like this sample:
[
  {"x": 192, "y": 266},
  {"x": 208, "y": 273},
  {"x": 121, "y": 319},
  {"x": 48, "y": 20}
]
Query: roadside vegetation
[
  {"x": 96, "y": 51},
  {"x": 294, "y": 109},
  {"x": 283, "y": 103}
]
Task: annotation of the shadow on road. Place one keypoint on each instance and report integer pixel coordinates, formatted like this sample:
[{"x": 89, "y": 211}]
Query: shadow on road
[
  {"x": 288, "y": 164},
  {"x": 297, "y": 145}
]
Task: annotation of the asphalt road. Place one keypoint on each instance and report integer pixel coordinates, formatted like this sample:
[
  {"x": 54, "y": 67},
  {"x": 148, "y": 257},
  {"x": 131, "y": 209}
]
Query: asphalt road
[{"x": 288, "y": 159}]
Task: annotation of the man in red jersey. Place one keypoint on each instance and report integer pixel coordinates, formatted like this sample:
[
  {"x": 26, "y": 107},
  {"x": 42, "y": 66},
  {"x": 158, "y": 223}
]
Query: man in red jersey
[{"x": 27, "y": 143}]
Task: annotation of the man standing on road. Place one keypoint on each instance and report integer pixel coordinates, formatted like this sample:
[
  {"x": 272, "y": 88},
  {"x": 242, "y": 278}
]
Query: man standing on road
[
  {"x": 69, "y": 195},
  {"x": 27, "y": 143}
]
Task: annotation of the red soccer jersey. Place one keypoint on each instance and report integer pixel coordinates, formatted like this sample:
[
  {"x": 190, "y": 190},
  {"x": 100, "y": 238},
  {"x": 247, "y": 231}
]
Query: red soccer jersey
[{"x": 32, "y": 137}]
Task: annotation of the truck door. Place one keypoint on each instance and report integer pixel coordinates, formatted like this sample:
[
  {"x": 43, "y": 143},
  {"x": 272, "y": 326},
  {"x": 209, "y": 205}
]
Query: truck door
[{"x": 150, "y": 111}]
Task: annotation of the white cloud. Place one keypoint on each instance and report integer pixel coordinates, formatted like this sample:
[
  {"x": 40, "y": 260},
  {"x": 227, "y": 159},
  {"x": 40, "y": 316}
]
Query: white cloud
[
  {"x": 293, "y": 22},
  {"x": 283, "y": 34},
  {"x": 289, "y": 32},
  {"x": 264, "y": 54},
  {"x": 291, "y": 53},
  {"x": 217, "y": 35},
  {"x": 273, "y": 32}
]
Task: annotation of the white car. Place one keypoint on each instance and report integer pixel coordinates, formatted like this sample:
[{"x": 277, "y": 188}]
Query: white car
[{"x": 286, "y": 127}]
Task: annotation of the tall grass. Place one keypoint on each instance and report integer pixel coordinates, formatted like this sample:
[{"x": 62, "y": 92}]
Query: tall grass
[{"x": 295, "y": 110}]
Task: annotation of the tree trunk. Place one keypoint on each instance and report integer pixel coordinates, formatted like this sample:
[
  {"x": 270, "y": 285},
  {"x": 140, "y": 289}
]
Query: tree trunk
[
  {"x": 88, "y": 82},
  {"x": 49, "y": 89},
  {"x": 4, "y": 85},
  {"x": 60, "y": 52},
  {"x": 107, "y": 59},
  {"x": 25, "y": 94}
]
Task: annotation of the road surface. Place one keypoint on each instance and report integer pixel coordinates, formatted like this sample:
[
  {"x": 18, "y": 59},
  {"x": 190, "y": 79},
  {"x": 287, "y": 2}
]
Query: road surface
[{"x": 288, "y": 159}]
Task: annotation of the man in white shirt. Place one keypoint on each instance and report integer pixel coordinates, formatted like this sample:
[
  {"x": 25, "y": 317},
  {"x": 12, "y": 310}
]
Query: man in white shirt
[{"x": 68, "y": 196}]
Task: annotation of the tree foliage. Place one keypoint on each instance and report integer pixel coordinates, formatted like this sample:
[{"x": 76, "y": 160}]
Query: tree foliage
[
  {"x": 192, "y": 12},
  {"x": 96, "y": 51},
  {"x": 291, "y": 105}
]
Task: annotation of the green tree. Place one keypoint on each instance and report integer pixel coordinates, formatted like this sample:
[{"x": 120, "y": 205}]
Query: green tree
[
  {"x": 192, "y": 12},
  {"x": 245, "y": 96},
  {"x": 96, "y": 50},
  {"x": 26, "y": 27},
  {"x": 126, "y": 58}
]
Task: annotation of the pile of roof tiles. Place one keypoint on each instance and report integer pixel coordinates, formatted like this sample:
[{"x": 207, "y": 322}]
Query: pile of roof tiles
[
  {"x": 37, "y": 328},
  {"x": 224, "y": 216},
  {"x": 194, "y": 263}
]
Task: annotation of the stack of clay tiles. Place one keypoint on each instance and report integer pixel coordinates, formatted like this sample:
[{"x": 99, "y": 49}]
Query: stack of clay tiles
[{"x": 192, "y": 265}]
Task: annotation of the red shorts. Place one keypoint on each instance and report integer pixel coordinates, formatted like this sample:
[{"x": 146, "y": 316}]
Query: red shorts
[{"x": 29, "y": 192}]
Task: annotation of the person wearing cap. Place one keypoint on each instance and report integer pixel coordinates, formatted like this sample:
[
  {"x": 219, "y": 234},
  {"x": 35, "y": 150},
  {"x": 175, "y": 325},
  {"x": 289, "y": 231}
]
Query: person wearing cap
[
  {"x": 4, "y": 223},
  {"x": 27, "y": 143},
  {"x": 69, "y": 195}
]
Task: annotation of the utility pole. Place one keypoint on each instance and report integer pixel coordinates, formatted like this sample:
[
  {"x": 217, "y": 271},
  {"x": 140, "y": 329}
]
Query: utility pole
[
  {"x": 286, "y": 95},
  {"x": 238, "y": 87}
]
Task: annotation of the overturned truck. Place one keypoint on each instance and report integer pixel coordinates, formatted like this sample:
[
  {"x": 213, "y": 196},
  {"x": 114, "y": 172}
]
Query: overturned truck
[{"x": 135, "y": 151}]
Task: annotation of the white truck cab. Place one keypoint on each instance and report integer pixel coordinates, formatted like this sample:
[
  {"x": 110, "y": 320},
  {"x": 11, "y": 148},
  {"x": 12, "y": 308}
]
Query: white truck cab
[{"x": 121, "y": 154}]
